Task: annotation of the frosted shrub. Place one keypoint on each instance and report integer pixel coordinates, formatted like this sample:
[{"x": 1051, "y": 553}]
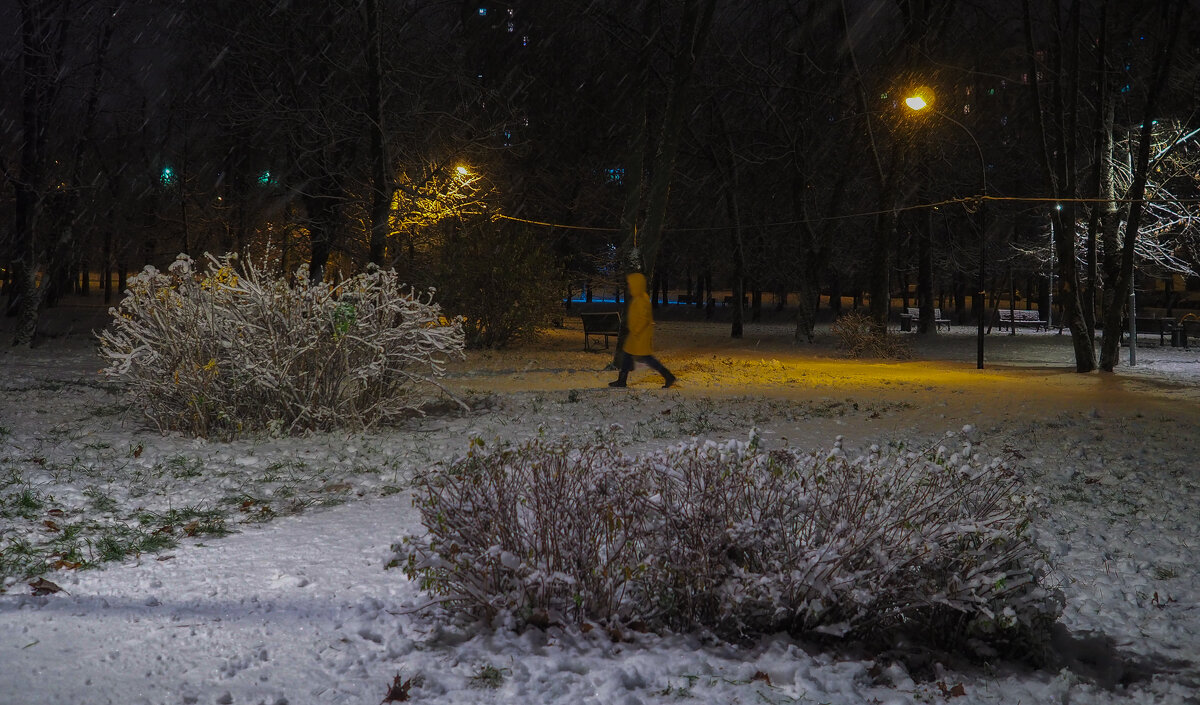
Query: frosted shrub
[
  {"x": 860, "y": 336},
  {"x": 726, "y": 537},
  {"x": 539, "y": 531},
  {"x": 234, "y": 349}
]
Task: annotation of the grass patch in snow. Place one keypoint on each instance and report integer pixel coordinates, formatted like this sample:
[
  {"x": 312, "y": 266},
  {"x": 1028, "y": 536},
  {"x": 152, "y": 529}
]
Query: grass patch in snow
[{"x": 488, "y": 677}]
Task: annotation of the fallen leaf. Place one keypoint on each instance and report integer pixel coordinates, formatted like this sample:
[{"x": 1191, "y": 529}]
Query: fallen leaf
[
  {"x": 398, "y": 692},
  {"x": 137, "y": 451},
  {"x": 761, "y": 676},
  {"x": 955, "y": 692},
  {"x": 56, "y": 512},
  {"x": 50, "y": 524},
  {"x": 191, "y": 528},
  {"x": 41, "y": 586},
  {"x": 64, "y": 563}
]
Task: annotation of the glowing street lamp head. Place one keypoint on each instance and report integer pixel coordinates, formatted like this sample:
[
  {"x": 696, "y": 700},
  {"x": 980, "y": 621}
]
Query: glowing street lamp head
[
  {"x": 915, "y": 102},
  {"x": 463, "y": 171},
  {"x": 920, "y": 98}
]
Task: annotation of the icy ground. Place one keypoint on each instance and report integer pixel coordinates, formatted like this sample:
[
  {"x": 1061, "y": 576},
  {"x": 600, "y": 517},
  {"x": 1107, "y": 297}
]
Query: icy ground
[{"x": 295, "y": 606}]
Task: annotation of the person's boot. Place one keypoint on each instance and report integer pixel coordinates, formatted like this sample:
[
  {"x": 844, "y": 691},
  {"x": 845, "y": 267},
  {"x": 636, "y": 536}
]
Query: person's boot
[
  {"x": 668, "y": 381},
  {"x": 617, "y": 382}
]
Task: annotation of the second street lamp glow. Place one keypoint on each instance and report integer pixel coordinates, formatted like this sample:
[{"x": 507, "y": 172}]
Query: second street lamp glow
[{"x": 915, "y": 102}]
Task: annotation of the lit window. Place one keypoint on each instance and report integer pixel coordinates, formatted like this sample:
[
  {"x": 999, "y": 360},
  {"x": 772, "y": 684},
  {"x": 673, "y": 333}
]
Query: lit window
[
  {"x": 510, "y": 27},
  {"x": 525, "y": 41},
  {"x": 991, "y": 91},
  {"x": 967, "y": 109},
  {"x": 483, "y": 12},
  {"x": 167, "y": 177},
  {"x": 615, "y": 175}
]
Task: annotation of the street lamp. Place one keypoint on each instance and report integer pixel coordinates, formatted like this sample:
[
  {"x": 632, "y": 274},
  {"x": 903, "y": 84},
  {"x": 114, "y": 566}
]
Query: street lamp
[{"x": 921, "y": 101}]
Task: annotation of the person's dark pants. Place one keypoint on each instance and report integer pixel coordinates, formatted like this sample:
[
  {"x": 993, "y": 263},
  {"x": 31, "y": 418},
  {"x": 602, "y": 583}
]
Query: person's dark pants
[{"x": 628, "y": 361}]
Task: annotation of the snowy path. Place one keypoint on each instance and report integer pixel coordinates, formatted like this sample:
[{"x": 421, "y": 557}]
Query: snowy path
[{"x": 300, "y": 609}]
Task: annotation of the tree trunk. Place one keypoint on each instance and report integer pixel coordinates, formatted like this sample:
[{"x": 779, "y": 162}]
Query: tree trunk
[
  {"x": 1059, "y": 173},
  {"x": 926, "y": 325},
  {"x": 28, "y": 186},
  {"x": 1111, "y": 342},
  {"x": 382, "y": 188},
  {"x": 693, "y": 34}
]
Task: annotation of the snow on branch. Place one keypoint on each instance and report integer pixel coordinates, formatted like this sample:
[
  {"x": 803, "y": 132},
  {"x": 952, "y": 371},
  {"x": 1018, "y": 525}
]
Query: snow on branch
[
  {"x": 234, "y": 349},
  {"x": 729, "y": 538}
]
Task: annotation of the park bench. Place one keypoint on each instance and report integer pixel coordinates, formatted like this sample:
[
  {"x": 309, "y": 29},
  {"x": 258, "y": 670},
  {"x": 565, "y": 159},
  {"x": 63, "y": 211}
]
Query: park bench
[
  {"x": 1162, "y": 327},
  {"x": 600, "y": 323},
  {"x": 1010, "y": 317},
  {"x": 913, "y": 315}
]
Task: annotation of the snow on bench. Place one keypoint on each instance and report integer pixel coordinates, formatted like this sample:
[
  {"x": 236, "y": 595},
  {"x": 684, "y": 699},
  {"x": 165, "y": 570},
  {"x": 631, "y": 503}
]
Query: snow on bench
[
  {"x": 1008, "y": 317},
  {"x": 913, "y": 315}
]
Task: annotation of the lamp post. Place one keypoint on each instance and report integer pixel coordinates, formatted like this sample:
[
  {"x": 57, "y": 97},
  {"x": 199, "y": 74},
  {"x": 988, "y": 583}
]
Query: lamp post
[
  {"x": 1050, "y": 310},
  {"x": 917, "y": 103}
]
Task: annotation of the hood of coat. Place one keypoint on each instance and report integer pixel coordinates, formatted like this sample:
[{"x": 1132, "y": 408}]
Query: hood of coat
[{"x": 637, "y": 283}]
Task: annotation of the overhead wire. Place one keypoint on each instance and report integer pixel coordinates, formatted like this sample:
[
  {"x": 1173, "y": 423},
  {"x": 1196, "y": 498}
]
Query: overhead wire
[{"x": 965, "y": 201}]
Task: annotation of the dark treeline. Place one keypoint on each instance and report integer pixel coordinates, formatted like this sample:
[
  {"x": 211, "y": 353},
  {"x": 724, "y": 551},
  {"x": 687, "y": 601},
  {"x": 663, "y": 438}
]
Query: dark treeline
[{"x": 754, "y": 148}]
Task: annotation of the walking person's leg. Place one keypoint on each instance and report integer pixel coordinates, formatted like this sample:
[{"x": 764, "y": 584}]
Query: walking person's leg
[
  {"x": 626, "y": 367},
  {"x": 668, "y": 378}
]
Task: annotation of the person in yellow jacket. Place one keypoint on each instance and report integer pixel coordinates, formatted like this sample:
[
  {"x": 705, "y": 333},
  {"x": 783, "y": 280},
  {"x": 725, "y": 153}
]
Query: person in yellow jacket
[{"x": 639, "y": 343}]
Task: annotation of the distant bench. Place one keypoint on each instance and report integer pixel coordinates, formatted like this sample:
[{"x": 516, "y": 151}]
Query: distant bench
[
  {"x": 1009, "y": 317},
  {"x": 1162, "y": 327},
  {"x": 604, "y": 323},
  {"x": 913, "y": 315}
]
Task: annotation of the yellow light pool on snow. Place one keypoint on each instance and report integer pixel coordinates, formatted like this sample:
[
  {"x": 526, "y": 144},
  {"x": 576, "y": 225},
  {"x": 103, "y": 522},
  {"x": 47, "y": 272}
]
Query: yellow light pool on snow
[{"x": 915, "y": 102}]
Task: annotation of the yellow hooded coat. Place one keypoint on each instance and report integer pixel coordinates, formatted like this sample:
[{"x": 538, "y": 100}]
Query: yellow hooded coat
[{"x": 640, "y": 340}]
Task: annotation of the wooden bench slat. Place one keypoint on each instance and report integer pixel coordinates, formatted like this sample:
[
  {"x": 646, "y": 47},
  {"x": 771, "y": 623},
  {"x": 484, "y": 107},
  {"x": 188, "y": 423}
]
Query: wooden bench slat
[
  {"x": 600, "y": 323},
  {"x": 1006, "y": 318},
  {"x": 912, "y": 315}
]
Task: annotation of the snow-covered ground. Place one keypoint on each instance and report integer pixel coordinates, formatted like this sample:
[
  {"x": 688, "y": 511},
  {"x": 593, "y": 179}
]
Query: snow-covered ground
[{"x": 254, "y": 571}]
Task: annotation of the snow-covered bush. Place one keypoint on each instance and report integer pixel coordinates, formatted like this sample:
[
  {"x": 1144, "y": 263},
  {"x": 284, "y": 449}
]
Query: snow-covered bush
[
  {"x": 930, "y": 544},
  {"x": 537, "y": 529},
  {"x": 861, "y": 336},
  {"x": 234, "y": 348}
]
